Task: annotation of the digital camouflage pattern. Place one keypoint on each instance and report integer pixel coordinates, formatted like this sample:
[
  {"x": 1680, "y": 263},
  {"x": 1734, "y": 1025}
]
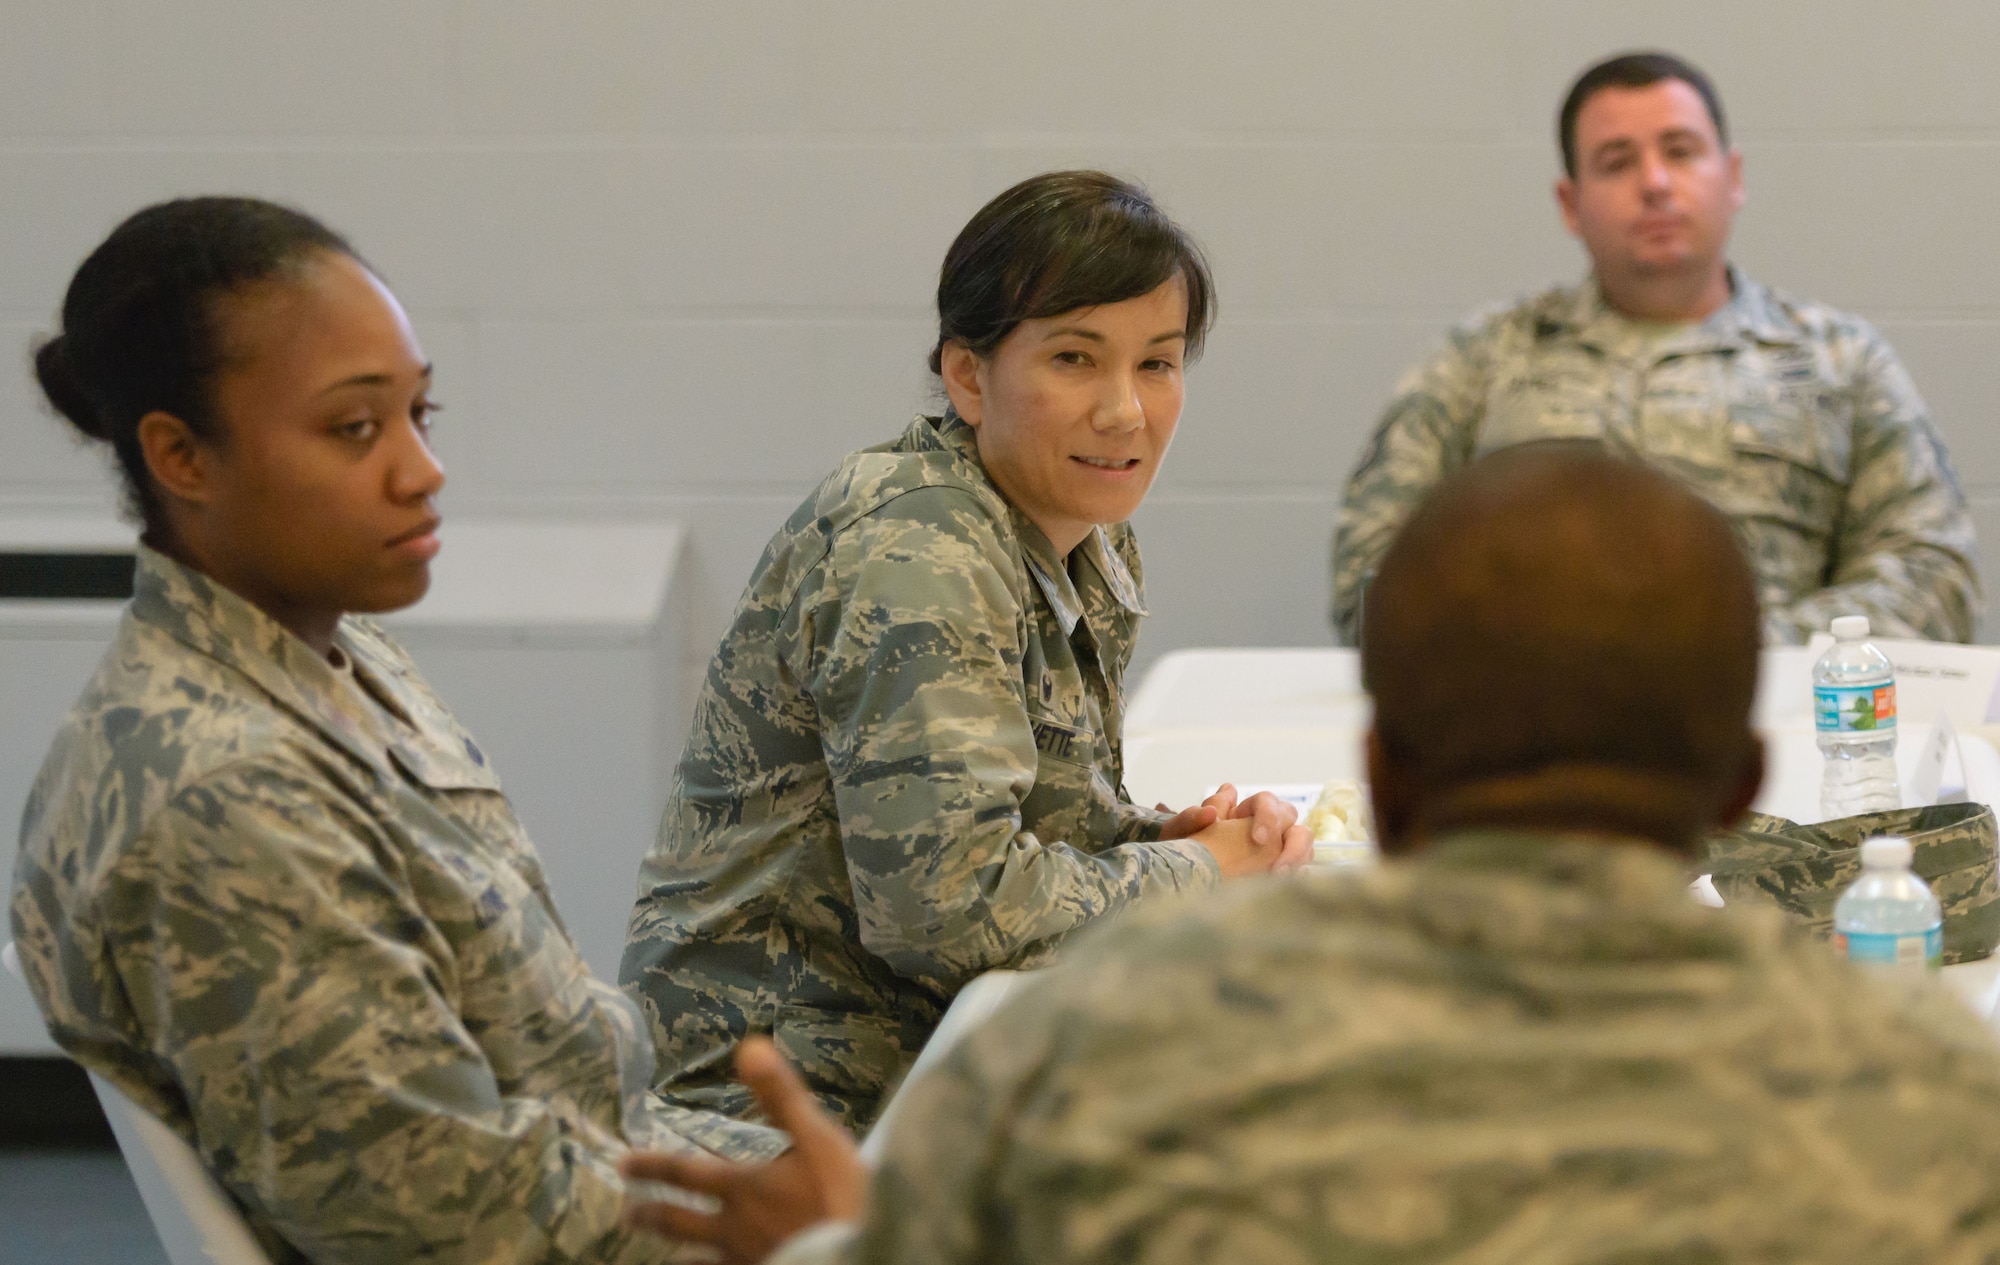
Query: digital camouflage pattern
[
  {"x": 1510, "y": 1048},
  {"x": 287, "y": 910},
  {"x": 905, "y": 769},
  {"x": 1804, "y": 869},
  {"x": 1795, "y": 420}
]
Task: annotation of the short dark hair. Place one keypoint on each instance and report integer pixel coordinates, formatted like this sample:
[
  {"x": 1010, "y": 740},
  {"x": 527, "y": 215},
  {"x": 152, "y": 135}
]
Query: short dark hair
[
  {"x": 1632, "y": 70},
  {"x": 1057, "y": 242},
  {"x": 140, "y": 332},
  {"x": 1557, "y": 603}
]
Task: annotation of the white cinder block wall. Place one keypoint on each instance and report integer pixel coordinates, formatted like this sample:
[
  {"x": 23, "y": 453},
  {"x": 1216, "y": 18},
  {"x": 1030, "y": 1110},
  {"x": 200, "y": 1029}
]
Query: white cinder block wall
[{"x": 676, "y": 257}]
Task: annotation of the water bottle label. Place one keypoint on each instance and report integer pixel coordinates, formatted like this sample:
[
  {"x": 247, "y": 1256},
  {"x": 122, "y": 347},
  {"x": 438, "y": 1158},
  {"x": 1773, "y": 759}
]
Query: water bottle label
[
  {"x": 1854, "y": 709},
  {"x": 1923, "y": 948}
]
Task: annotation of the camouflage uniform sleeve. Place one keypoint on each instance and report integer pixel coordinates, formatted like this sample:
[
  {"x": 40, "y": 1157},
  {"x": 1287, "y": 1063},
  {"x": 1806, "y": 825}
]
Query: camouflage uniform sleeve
[
  {"x": 1426, "y": 431},
  {"x": 280, "y": 967},
  {"x": 1137, "y": 823},
  {"x": 1902, "y": 552},
  {"x": 916, "y": 661}
]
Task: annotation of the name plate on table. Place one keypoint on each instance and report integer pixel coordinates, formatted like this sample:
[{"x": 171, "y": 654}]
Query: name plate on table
[{"x": 1935, "y": 678}]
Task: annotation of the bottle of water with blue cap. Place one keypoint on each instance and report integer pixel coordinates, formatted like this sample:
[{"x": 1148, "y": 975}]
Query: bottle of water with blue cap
[
  {"x": 1889, "y": 919},
  {"x": 1854, "y": 710}
]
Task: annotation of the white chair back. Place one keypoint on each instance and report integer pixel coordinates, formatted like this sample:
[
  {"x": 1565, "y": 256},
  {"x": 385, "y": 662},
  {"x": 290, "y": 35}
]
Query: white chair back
[
  {"x": 973, "y": 1006},
  {"x": 196, "y": 1221}
]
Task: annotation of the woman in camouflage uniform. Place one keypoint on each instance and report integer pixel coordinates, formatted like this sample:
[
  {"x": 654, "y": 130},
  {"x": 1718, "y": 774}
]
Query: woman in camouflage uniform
[
  {"x": 267, "y": 885},
  {"x": 906, "y": 765}
]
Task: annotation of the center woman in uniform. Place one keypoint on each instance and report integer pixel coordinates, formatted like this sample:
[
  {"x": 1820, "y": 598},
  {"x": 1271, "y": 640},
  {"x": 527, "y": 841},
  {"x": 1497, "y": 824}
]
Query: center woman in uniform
[{"x": 905, "y": 766}]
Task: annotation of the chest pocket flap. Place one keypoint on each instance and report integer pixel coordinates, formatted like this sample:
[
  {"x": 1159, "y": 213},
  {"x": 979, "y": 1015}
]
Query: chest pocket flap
[
  {"x": 1803, "y": 423},
  {"x": 443, "y": 770},
  {"x": 1058, "y": 740},
  {"x": 1538, "y": 406}
]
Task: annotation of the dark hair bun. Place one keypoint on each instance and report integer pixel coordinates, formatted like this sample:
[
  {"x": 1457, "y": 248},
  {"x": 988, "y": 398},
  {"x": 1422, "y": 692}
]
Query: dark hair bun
[
  {"x": 65, "y": 394},
  {"x": 139, "y": 329}
]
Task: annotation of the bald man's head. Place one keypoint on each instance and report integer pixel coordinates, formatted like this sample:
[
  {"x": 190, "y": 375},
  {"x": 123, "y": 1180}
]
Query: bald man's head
[{"x": 1564, "y": 639}]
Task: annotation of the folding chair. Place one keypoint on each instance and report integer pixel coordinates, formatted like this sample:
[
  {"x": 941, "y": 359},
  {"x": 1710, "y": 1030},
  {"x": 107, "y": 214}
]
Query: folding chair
[{"x": 197, "y": 1222}]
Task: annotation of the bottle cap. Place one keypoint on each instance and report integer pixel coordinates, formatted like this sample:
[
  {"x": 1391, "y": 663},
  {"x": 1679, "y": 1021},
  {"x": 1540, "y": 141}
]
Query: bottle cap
[
  {"x": 1850, "y": 628},
  {"x": 1886, "y": 852}
]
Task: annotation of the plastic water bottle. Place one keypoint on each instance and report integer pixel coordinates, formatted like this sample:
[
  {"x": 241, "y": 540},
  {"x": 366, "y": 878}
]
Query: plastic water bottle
[
  {"x": 1888, "y": 918},
  {"x": 1854, "y": 709}
]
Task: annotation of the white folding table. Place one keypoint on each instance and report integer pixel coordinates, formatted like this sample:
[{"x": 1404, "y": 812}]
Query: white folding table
[{"x": 1291, "y": 717}]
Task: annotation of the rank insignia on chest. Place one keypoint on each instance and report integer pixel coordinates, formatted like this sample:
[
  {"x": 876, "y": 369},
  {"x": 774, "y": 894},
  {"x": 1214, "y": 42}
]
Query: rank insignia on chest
[{"x": 1793, "y": 364}]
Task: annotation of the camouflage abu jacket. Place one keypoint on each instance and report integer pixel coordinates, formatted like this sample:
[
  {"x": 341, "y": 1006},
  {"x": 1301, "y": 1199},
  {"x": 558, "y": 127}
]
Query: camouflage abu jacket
[
  {"x": 1509, "y": 1048},
  {"x": 1794, "y": 419},
  {"x": 905, "y": 769},
  {"x": 287, "y": 909}
]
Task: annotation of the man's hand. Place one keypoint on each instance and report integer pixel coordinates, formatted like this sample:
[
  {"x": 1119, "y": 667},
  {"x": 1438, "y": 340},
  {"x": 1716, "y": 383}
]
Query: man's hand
[
  {"x": 1272, "y": 841},
  {"x": 821, "y": 1178}
]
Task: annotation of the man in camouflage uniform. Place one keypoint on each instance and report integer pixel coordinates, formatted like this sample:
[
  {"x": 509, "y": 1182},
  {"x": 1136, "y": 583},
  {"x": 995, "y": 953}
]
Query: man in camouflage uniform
[
  {"x": 1794, "y": 419},
  {"x": 1519, "y": 1039},
  {"x": 284, "y": 906},
  {"x": 904, "y": 770}
]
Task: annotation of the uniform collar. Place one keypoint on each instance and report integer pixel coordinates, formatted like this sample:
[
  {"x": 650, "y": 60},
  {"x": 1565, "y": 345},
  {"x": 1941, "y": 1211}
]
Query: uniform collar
[
  {"x": 1752, "y": 315},
  {"x": 1759, "y": 315},
  {"x": 1074, "y": 592},
  {"x": 215, "y": 622},
  {"x": 1513, "y": 896},
  {"x": 1548, "y": 857},
  {"x": 1118, "y": 578}
]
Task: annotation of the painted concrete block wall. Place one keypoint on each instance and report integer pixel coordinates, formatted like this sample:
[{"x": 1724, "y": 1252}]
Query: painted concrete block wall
[{"x": 675, "y": 258}]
